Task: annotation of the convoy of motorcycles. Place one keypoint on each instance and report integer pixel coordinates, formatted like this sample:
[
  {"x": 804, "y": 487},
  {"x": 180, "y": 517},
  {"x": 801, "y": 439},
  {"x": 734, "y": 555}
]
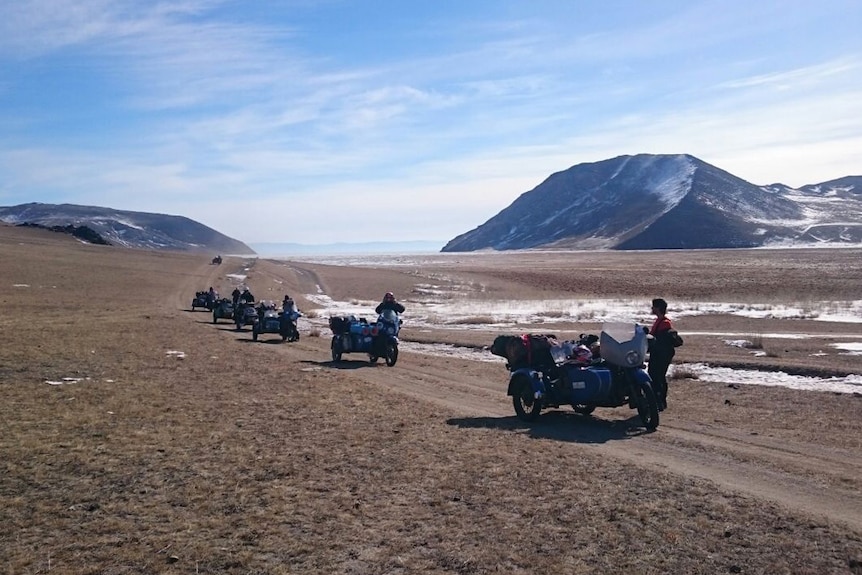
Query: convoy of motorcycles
[{"x": 607, "y": 370}]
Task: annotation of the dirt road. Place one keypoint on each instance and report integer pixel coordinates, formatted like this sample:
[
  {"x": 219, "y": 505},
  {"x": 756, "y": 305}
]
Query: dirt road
[
  {"x": 809, "y": 478},
  {"x": 751, "y": 455}
]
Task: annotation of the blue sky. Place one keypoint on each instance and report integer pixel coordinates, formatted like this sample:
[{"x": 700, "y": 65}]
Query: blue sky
[{"x": 330, "y": 121}]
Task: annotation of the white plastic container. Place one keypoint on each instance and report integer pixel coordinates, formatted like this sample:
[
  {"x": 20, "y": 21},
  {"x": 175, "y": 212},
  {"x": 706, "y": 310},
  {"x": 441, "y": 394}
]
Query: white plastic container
[
  {"x": 623, "y": 344},
  {"x": 558, "y": 353}
]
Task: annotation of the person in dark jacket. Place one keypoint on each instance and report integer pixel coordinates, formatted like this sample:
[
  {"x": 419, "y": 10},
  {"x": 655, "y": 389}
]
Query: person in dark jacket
[
  {"x": 235, "y": 295},
  {"x": 389, "y": 302},
  {"x": 246, "y": 296},
  {"x": 661, "y": 348}
]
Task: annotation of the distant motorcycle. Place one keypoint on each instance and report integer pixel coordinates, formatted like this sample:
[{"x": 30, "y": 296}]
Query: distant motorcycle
[
  {"x": 268, "y": 320},
  {"x": 379, "y": 339},
  {"x": 550, "y": 377},
  {"x": 244, "y": 314},
  {"x": 201, "y": 299},
  {"x": 223, "y": 309}
]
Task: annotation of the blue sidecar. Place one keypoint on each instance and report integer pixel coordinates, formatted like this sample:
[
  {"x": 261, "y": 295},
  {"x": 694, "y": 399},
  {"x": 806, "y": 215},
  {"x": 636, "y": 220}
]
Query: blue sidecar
[{"x": 200, "y": 300}]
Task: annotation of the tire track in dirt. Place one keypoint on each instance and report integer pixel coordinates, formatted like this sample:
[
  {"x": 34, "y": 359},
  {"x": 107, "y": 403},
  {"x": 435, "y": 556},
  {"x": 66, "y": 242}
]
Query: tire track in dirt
[
  {"x": 767, "y": 470},
  {"x": 205, "y": 273},
  {"x": 779, "y": 472},
  {"x": 833, "y": 467}
]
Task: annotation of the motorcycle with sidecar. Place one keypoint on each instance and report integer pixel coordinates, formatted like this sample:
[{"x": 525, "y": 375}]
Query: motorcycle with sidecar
[
  {"x": 548, "y": 375},
  {"x": 378, "y": 339},
  {"x": 268, "y": 320},
  {"x": 201, "y": 299},
  {"x": 223, "y": 309},
  {"x": 244, "y": 314}
]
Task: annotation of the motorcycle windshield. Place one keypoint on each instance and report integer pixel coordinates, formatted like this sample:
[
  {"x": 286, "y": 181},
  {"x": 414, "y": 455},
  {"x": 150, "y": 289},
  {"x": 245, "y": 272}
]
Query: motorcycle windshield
[{"x": 389, "y": 316}]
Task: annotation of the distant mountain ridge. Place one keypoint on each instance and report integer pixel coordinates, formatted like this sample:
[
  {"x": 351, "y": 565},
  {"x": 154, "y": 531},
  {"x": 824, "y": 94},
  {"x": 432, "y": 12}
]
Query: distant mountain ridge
[
  {"x": 651, "y": 201},
  {"x": 140, "y": 230}
]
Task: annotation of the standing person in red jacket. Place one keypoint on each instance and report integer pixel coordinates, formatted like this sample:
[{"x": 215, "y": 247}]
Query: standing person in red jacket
[{"x": 662, "y": 344}]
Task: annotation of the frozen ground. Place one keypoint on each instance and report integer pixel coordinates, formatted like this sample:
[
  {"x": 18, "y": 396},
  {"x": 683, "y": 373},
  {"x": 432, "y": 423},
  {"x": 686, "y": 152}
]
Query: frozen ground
[{"x": 437, "y": 307}]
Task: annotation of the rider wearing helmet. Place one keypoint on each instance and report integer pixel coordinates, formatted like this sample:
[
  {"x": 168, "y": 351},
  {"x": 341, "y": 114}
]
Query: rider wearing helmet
[
  {"x": 389, "y": 302},
  {"x": 246, "y": 296}
]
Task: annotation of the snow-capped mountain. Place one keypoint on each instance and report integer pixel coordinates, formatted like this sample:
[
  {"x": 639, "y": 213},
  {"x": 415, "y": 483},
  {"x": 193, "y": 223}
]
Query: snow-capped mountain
[
  {"x": 668, "y": 201},
  {"x": 129, "y": 229}
]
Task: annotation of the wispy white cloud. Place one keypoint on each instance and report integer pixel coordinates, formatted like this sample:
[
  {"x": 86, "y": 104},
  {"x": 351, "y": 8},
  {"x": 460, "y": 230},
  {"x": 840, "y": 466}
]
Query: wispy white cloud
[
  {"x": 806, "y": 76},
  {"x": 185, "y": 100}
]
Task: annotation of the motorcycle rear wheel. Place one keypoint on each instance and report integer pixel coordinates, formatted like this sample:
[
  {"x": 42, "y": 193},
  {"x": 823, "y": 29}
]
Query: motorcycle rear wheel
[{"x": 647, "y": 405}]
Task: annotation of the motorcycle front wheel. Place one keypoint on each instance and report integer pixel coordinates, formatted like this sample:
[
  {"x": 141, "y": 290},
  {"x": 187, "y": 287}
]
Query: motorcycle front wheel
[
  {"x": 336, "y": 349},
  {"x": 527, "y": 406},
  {"x": 647, "y": 405},
  {"x": 391, "y": 354}
]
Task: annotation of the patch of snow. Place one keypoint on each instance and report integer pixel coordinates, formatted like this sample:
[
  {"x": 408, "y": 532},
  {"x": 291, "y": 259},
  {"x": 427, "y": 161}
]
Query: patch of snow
[
  {"x": 20, "y": 285},
  {"x": 66, "y": 380},
  {"x": 852, "y": 348},
  {"x": 129, "y": 224},
  {"x": 441, "y": 304},
  {"x": 849, "y": 384},
  {"x": 672, "y": 184}
]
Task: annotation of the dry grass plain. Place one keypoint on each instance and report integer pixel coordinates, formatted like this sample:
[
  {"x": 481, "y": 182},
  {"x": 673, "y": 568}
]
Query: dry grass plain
[{"x": 243, "y": 457}]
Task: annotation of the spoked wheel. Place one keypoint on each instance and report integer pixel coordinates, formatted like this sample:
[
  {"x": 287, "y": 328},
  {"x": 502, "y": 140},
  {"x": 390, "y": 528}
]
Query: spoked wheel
[
  {"x": 336, "y": 350},
  {"x": 391, "y": 354},
  {"x": 647, "y": 405},
  {"x": 527, "y": 406},
  {"x": 583, "y": 409},
  {"x": 372, "y": 359}
]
